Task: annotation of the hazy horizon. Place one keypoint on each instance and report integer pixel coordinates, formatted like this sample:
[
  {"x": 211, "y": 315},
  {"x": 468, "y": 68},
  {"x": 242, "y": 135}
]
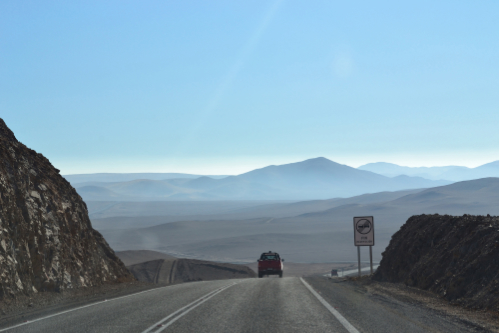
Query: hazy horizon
[{"x": 246, "y": 168}]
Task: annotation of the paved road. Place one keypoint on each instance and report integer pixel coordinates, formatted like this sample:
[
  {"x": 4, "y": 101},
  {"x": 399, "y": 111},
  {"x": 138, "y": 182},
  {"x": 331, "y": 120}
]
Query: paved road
[{"x": 249, "y": 305}]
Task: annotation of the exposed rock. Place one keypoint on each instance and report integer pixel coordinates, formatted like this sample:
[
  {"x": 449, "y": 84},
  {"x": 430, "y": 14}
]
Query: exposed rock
[
  {"x": 455, "y": 257},
  {"x": 186, "y": 270},
  {"x": 47, "y": 242}
]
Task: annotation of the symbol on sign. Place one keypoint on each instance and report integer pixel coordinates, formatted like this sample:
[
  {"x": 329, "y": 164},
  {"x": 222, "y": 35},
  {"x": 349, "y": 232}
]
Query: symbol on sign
[{"x": 363, "y": 226}]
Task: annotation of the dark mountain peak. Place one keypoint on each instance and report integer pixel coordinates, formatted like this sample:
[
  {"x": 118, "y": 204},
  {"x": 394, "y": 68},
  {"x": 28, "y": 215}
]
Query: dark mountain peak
[
  {"x": 322, "y": 164},
  {"x": 306, "y": 166},
  {"x": 5, "y": 132},
  {"x": 310, "y": 164},
  {"x": 319, "y": 161}
]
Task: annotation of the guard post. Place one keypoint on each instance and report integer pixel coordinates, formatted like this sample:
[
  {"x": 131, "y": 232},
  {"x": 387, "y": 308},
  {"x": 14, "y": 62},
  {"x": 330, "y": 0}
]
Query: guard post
[{"x": 363, "y": 235}]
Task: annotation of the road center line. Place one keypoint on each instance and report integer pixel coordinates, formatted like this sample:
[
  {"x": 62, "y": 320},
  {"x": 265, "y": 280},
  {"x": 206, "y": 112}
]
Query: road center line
[
  {"x": 192, "y": 308},
  {"x": 335, "y": 313},
  {"x": 184, "y": 310}
]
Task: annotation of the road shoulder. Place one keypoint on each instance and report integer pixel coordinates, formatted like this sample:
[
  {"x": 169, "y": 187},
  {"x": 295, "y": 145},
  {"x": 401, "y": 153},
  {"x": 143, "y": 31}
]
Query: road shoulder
[
  {"x": 374, "y": 307},
  {"x": 483, "y": 319},
  {"x": 23, "y": 308}
]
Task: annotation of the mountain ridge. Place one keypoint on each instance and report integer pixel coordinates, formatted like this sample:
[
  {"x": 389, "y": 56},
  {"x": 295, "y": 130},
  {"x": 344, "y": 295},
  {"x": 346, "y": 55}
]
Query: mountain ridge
[
  {"x": 451, "y": 172},
  {"x": 317, "y": 236},
  {"x": 317, "y": 178},
  {"x": 123, "y": 177}
]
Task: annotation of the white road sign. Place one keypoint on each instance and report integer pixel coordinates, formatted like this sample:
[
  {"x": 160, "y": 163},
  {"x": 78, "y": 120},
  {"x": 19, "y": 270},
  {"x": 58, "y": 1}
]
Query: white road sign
[{"x": 363, "y": 230}]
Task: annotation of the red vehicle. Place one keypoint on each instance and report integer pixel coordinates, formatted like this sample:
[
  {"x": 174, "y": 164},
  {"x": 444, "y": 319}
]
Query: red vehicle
[{"x": 270, "y": 263}]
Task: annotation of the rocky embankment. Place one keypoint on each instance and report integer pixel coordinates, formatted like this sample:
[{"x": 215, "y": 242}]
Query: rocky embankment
[
  {"x": 169, "y": 271},
  {"x": 454, "y": 257},
  {"x": 47, "y": 242}
]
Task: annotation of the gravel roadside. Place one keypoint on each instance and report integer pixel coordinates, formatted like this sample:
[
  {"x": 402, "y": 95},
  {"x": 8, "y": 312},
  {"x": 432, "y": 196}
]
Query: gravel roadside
[
  {"x": 46, "y": 303},
  {"x": 487, "y": 320}
]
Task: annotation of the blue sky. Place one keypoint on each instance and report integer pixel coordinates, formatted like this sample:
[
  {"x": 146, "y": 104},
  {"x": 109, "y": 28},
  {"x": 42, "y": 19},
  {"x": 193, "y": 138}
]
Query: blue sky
[{"x": 222, "y": 87}]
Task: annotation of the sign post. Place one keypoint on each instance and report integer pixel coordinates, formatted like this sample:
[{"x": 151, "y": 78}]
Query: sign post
[
  {"x": 363, "y": 235},
  {"x": 358, "y": 260},
  {"x": 371, "y": 258}
]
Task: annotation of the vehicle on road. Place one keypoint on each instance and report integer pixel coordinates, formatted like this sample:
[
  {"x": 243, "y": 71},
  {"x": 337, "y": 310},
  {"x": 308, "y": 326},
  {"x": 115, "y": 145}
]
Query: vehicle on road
[{"x": 270, "y": 263}]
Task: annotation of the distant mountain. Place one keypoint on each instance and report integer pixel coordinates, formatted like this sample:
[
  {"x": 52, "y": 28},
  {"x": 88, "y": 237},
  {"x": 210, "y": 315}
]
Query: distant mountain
[
  {"x": 314, "y": 236},
  {"x": 320, "y": 178},
  {"x": 478, "y": 197},
  {"x": 452, "y": 173},
  {"x": 125, "y": 177},
  {"x": 393, "y": 170},
  {"x": 487, "y": 170},
  {"x": 317, "y": 178},
  {"x": 98, "y": 193},
  {"x": 470, "y": 197},
  {"x": 126, "y": 215}
]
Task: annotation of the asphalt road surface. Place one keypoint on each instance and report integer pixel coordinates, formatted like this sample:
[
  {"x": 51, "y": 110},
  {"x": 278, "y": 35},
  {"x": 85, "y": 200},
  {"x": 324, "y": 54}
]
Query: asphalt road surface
[{"x": 248, "y": 305}]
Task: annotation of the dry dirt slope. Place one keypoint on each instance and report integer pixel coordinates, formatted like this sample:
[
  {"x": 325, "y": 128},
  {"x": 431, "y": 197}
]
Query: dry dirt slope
[
  {"x": 135, "y": 257},
  {"x": 166, "y": 271},
  {"x": 454, "y": 257}
]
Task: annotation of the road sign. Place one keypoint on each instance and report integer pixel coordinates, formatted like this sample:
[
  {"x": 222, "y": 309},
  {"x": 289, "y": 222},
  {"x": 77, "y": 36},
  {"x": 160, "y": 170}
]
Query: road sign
[{"x": 363, "y": 230}]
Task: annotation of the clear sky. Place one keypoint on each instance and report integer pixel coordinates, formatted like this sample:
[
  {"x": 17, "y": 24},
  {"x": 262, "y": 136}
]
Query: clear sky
[{"x": 222, "y": 87}]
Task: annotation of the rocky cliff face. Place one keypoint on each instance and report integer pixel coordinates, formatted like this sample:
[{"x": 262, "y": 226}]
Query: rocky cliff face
[
  {"x": 47, "y": 242},
  {"x": 455, "y": 257}
]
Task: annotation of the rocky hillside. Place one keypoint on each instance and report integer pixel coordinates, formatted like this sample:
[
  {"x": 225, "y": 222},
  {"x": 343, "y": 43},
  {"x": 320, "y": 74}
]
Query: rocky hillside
[
  {"x": 166, "y": 271},
  {"x": 455, "y": 257},
  {"x": 47, "y": 242}
]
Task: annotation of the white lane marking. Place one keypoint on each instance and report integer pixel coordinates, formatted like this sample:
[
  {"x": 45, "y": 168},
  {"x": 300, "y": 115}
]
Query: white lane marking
[
  {"x": 79, "y": 308},
  {"x": 335, "y": 313},
  {"x": 181, "y": 309},
  {"x": 189, "y": 307},
  {"x": 189, "y": 310}
]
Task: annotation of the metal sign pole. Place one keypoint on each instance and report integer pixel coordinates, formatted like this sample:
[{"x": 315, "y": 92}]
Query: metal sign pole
[
  {"x": 358, "y": 257},
  {"x": 371, "y": 258},
  {"x": 363, "y": 235}
]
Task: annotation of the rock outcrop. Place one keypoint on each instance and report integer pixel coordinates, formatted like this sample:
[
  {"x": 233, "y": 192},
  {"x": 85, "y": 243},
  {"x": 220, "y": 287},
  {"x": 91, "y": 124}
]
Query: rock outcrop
[
  {"x": 455, "y": 257},
  {"x": 166, "y": 271},
  {"x": 47, "y": 242}
]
